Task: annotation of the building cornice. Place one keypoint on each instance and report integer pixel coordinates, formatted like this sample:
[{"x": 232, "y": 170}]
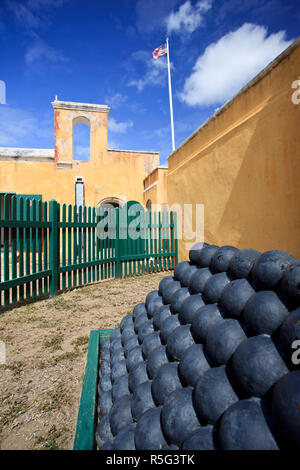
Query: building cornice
[{"x": 72, "y": 105}]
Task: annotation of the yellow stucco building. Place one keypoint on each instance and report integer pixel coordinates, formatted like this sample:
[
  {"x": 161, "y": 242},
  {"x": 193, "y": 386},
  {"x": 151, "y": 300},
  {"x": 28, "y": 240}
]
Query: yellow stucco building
[{"x": 113, "y": 176}]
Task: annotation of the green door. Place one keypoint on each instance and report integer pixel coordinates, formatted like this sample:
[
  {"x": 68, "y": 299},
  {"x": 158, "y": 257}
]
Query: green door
[{"x": 132, "y": 240}]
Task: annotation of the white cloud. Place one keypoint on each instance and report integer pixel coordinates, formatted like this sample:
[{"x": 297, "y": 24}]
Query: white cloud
[
  {"x": 40, "y": 50},
  {"x": 230, "y": 63},
  {"x": 155, "y": 73},
  {"x": 21, "y": 128},
  {"x": 116, "y": 100},
  {"x": 188, "y": 17},
  {"x": 119, "y": 127},
  {"x": 151, "y": 14},
  {"x": 32, "y": 13}
]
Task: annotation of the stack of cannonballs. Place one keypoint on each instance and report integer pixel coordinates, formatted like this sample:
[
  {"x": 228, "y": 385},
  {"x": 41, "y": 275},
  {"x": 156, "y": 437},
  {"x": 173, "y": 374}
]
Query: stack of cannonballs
[{"x": 209, "y": 360}]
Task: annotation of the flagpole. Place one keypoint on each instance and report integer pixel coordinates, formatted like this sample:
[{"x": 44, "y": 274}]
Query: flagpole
[{"x": 170, "y": 97}]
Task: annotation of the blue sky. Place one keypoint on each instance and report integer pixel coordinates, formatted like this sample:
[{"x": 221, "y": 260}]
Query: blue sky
[{"x": 97, "y": 51}]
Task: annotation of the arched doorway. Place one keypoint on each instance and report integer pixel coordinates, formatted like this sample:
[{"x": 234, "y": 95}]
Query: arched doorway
[{"x": 110, "y": 202}]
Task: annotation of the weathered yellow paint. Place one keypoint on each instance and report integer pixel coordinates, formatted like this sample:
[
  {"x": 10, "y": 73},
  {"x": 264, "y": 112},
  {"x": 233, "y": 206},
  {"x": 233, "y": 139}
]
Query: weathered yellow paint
[
  {"x": 156, "y": 188},
  {"x": 109, "y": 173},
  {"x": 244, "y": 165}
]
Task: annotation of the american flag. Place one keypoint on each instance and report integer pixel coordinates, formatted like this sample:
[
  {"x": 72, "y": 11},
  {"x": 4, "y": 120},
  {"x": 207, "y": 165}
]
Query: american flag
[{"x": 160, "y": 51}]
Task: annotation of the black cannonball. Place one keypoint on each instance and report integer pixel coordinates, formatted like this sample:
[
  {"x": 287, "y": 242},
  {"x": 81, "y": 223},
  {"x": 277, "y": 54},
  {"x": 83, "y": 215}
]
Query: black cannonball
[
  {"x": 169, "y": 291},
  {"x": 195, "y": 251},
  {"x": 118, "y": 370},
  {"x": 221, "y": 259},
  {"x": 204, "y": 319},
  {"x": 139, "y": 320},
  {"x": 105, "y": 403},
  {"x": 178, "y": 415},
  {"x": 290, "y": 281},
  {"x": 244, "y": 427},
  {"x": 193, "y": 365},
  {"x": 145, "y": 329},
  {"x": 214, "y": 394},
  {"x": 127, "y": 333},
  {"x": 116, "y": 333},
  {"x": 165, "y": 381},
  {"x": 148, "y": 434},
  {"x": 141, "y": 400},
  {"x": 126, "y": 321},
  {"x": 214, "y": 287},
  {"x": 117, "y": 356},
  {"x": 178, "y": 298},
  {"x": 152, "y": 295},
  {"x": 268, "y": 269},
  {"x": 167, "y": 326},
  {"x": 290, "y": 331},
  {"x": 138, "y": 309},
  {"x": 187, "y": 275},
  {"x": 264, "y": 313},
  {"x": 161, "y": 314},
  {"x": 124, "y": 440},
  {"x": 151, "y": 342},
  {"x": 104, "y": 383},
  {"x": 223, "y": 339},
  {"x": 130, "y": 344},
  {"x": 154, "y": 305},
  {"x": 242, "y": 262},
  {"x": 105, "y": 345},
  {"x": 164, "y": 282},
  {"x": 134, "y": 356},
  {"x": 137, "y": 375},
  {"x": 115, "y": 345},
  {"x": 203, "y": 438},
  {"x": 189, "y": 307},
  {"x": 103, "y": 431},
  {"x": 179, "y": 341},
  {"x": 156, "y": 358},
  {"x": 120, "y": 414},
  {"x": 120, "y": 387},
  {"x": 180, "y": 270},
  {"x": 199, "y": 279},
  {"x": 205, "y": 256},
  {"x": 234, "y": 297},
  {"x": 286, "y": 406},
  {"x": 257, "y": 365}
]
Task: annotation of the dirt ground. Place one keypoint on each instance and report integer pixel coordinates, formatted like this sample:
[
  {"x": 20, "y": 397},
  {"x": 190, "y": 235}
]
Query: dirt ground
[{"x": 46, "y": 344}]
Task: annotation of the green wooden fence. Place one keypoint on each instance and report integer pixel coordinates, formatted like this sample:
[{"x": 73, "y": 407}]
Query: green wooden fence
[{"x": 47, "y": 248}]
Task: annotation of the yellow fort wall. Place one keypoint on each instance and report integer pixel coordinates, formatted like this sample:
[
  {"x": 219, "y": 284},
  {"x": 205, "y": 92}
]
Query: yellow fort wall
[{"x": 244, "y": 165}]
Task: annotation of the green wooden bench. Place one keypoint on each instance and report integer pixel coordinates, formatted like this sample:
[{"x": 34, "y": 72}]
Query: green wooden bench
[{"x": 86, "y": 420}]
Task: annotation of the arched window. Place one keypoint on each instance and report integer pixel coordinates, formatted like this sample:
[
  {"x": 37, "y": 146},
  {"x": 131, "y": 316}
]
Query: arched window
[
  {"x": 149, "y": 205},
  {"x": 81, "y": 139}
]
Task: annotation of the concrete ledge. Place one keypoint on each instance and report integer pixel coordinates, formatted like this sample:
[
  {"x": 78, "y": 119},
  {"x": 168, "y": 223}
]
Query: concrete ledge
[
  {"x": 101, "y": 108},
  {"x": 64, "y": 165},
  {"x": 23, "y": 154},
  {"x": 133, "y": 151}
]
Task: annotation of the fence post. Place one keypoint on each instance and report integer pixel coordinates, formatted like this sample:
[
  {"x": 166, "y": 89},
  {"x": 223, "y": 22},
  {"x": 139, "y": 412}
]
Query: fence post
[
  {"x": 53, "y": 247},
  {"x": 118, "y": 269}
]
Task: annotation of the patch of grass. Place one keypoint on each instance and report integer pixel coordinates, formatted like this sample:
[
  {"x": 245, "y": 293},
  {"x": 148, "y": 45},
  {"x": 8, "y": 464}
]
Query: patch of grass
[
  {"x": 16, "y": 367},
  {"x": 80, "y": 341},
  {"x": 55, "y": 400},
  {"x": 16, "y": 408},
  {"x": 54, "y": 440},
  {"x": 68, "y": 356},
  {"x": 60, "y": 304},
  {"x": 54, "y": 343}
]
